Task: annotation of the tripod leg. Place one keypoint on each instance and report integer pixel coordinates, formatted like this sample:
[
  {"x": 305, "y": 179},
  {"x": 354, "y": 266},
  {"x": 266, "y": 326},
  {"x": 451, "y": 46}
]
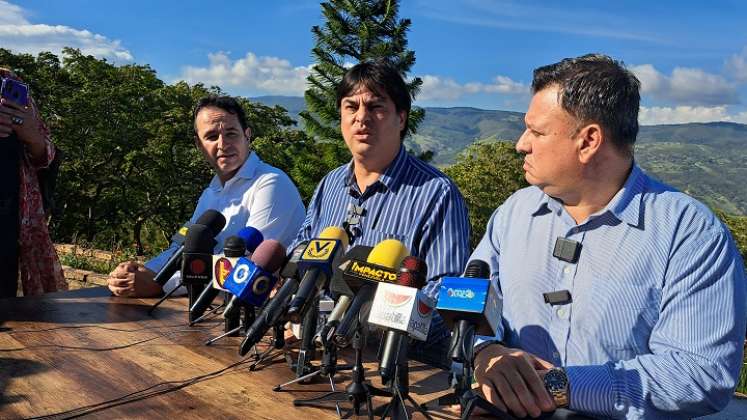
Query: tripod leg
[
  {"x": 205, "y": 315},
  {"x": 226, "y": 334},
  {"x": 297, "y": 380},
  {"x": 166, "y": 296},
  {"x": 332, "y": 384}
]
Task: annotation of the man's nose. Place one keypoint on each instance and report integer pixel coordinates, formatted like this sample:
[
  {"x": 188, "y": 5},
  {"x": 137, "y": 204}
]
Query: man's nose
[
  {"x": 523, "y": 145},
  {"x": 362, "y": 114}
]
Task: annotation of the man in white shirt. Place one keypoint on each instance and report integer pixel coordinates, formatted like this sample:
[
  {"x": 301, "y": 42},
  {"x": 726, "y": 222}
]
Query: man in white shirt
[{"x": 247, "y": 191}]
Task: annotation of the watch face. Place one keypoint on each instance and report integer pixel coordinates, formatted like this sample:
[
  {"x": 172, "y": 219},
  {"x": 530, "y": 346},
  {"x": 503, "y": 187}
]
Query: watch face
[{"x": 556, "y": 380}]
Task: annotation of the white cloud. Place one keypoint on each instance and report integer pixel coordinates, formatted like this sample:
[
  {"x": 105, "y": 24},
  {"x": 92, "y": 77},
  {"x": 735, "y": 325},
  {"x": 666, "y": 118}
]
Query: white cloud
[
  {"x": 438, "y": 88},
  {"x": 736, "y": 65},
  {"x": 687, "y": 114},
  {"x": 21, "y": 36},
  {"x": 256, "y": 75},
  {"x": 686, "y": 86}
]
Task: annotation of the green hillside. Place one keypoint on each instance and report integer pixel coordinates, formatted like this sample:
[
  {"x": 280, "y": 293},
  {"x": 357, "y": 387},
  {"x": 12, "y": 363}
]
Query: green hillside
[{"x": 706, "y": 160}]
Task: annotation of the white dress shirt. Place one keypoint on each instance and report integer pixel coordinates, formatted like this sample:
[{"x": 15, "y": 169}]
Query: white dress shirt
[{"x": 259, "y": 195}]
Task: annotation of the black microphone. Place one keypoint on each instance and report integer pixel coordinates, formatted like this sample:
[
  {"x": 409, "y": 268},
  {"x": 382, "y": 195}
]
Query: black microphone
[
  {"x": 316, "y": 264},
  {"x": 275, "y": 307},
  {"x": 212, "y": 219},
  {"x": 197, "y": 262},
  {"x": 362, "y": 276},
  {"x": 470, "y": 305},
  {"x": 394, "y": 348},
  {"x": 233, "y": 247}
]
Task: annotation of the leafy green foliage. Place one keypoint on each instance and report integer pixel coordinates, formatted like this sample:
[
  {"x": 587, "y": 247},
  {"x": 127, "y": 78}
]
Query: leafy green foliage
[
  {"x": 354, "y": 31},
  {"x": 487, "y": 173},
  {"x": 131, "y": 173}
]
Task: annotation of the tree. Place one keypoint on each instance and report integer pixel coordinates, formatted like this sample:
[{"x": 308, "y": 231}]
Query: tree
[
  {"x": 487, "y": 173},
  {"x": 355, "y": 31},
  {"x": 131, "y": 173}
]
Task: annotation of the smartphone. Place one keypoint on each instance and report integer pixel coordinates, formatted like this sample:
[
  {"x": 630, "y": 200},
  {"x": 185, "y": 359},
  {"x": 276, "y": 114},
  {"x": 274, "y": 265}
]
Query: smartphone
[{"x": 14, "y": 91}]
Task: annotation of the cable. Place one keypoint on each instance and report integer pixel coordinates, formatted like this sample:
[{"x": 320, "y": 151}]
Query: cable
[{"x": 134, "y": 397}]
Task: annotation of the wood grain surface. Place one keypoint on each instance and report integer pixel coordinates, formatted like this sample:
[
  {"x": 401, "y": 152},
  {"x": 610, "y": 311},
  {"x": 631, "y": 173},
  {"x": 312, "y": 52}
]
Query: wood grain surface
[{"x": 66, "y": 351}]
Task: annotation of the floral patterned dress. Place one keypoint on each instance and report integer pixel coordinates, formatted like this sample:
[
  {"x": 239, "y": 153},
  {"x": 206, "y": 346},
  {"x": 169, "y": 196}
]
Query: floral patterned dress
[{"x": 41, "y": 271}]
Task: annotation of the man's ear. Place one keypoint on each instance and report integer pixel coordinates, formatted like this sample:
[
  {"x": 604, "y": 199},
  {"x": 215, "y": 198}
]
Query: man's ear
[
  {"x": 402, "y": 119},
  {"x": 590, "y": 139}
]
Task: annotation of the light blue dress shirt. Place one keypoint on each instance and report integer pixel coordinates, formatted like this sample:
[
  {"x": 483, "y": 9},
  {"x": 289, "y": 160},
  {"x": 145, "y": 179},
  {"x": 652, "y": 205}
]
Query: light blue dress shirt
[{"x": 657, "y": 320}]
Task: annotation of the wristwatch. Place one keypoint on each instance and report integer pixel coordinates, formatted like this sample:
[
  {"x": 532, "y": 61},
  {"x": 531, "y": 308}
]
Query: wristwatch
[{"x": 556, "y": 383}]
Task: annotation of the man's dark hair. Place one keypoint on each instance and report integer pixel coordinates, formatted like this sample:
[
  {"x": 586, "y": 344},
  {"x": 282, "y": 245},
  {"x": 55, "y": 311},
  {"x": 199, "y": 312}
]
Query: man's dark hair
[
  {"x": 596, "y": 88},
  {"x": 226, "y": 103},
  {"x": 377, "y": 76}
]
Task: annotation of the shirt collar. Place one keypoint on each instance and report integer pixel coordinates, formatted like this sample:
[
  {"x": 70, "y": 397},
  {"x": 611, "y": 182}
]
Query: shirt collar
[
  {"x": 391, "y": 177},
  {"x": 246, "y": 171},
  {"x": 625, "y": 204}
]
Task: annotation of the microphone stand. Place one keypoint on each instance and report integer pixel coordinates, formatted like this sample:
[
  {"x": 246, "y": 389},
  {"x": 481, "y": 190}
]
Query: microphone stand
[
  {"x": 307, "y": 352},
  {"x": 399, "y": 388},
  {"x": 358, "y": 391},
  {"x": 244, "y": 322},
  {"x": 278, "y": 343},
  {"x": 463, "y": 352},
  {"x": 166, "y": 296}
]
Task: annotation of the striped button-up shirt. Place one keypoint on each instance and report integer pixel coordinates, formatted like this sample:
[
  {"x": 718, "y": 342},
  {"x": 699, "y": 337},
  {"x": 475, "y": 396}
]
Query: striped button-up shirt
[
  {"x": 411, "y": 201},
  {"x": 657, "y": 319}
]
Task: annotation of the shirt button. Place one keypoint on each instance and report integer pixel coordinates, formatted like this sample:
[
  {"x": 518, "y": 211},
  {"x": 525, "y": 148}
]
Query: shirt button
[
  {"x": 619, "y": 406},
  {"x": 562, "y": 312},
  {"x": 556, "y": 355},
  {"x": 567, "y": 270}
]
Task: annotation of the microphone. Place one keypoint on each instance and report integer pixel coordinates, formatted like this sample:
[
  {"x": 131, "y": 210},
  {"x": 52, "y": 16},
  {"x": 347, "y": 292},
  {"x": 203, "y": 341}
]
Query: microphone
[
  {"x": 251, "y": 236},
  {"x": 196, "y": 261},
  {"x": 362, "y": 277},
  {"x": 316, "y": 265},
  {"x": 275, "y": 308},
  {"x": 234, "y": 247},
  {"x": 404, "y": 310},
  {"x": 470, "y": 305},
  {"x": 251, "y": 281},
  {"x": 212, "y": 219}
]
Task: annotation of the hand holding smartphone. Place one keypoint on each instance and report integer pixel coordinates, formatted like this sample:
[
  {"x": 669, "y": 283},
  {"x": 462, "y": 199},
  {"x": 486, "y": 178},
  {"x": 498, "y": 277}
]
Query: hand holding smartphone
[{"x": 14, "y": 91}]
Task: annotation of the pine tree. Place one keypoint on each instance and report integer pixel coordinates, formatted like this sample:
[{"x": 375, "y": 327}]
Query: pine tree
[{"x": 355, "y": 31}]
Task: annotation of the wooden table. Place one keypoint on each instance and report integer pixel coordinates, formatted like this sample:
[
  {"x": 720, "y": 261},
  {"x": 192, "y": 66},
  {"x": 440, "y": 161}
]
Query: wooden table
[
  {"x": 68, "y": 350},
  {"x": 73, "y": 349}
]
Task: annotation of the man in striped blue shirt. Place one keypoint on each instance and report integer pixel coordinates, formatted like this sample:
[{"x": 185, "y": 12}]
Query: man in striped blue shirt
[
  {"x": 622, "y": 297},
  {"x": 397, "y": 195}
]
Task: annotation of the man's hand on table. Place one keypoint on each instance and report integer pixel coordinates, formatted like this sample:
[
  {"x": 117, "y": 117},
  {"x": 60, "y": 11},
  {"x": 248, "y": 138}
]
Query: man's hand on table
[
  {"x": 132, "y": 279},
  {"x": 512, "y": 380}
]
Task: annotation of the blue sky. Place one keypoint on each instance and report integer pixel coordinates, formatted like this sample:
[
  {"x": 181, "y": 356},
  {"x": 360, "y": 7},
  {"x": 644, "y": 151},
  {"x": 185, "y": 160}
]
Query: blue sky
[{"x": 690, "y": 56}]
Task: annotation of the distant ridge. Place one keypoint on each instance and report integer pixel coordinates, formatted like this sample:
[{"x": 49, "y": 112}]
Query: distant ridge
[{"x": 706, "y": 160}]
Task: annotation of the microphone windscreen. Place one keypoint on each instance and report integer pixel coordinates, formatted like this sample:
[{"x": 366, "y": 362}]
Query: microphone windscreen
[
  {"x": 477, "y": 269},
  {"x": 199, "y": 239},
  {"x": 388, "y": 253},
  {"x": 269, "y": 255},
  {"x": 252, "y": 237},
  {"x": 335, "y": 232},
  {"x": 214, "y": 220},
  {"x": 413, "y": 272},
  {"x": 234, "y": 247}
]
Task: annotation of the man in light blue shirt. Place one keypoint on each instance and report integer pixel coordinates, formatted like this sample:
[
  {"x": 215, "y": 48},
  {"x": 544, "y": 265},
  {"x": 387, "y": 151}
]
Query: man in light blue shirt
[
  {"x": 622, "y": 297},
  {"x": 247, "y": 191}
]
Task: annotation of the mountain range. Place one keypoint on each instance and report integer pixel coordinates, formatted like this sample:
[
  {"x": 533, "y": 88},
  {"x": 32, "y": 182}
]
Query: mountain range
[{"x": 706, "y": 160}]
